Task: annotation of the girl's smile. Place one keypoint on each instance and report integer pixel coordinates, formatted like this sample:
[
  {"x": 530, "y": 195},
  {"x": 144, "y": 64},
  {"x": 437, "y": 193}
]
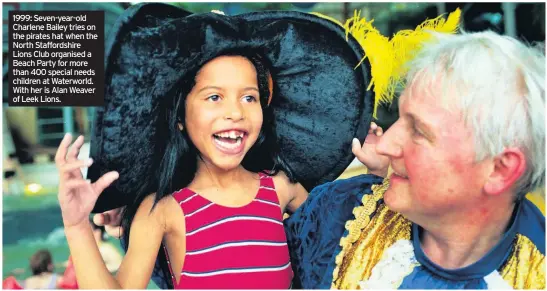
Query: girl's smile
[
  {"x": 230, "y": 141},
  {"x": 223, "y": 111}
]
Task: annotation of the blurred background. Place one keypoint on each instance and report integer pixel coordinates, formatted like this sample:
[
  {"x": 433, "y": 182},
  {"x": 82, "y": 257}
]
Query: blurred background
[{"x": 31, "y": 217}]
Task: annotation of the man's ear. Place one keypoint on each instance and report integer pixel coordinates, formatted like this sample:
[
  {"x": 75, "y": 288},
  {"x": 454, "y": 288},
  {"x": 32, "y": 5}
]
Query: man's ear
[{"x": 509, "y": 166}]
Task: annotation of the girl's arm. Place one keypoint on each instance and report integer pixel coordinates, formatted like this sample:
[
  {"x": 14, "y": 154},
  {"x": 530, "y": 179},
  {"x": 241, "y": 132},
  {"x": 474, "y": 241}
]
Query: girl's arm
[
  {"x": 111, "y": 257},
  {"x": 377, "y": 164},
  {"x": 147, "y": 232},
  {"x": 298, "y": 195},
  {"x": 291, "y": 195},
  {"x": 77, "y": 198}
]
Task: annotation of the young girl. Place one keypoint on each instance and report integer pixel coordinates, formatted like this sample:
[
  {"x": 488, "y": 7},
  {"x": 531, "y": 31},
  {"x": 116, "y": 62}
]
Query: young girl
[
  {"x": 224, "y": 229},
  {"x": 207, "y": 147}
]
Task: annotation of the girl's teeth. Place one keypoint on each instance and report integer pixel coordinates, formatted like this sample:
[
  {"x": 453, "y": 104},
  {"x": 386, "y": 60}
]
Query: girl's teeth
[
  {"x": 229, "y": 145},
  {"x": 230, "y": 134}
]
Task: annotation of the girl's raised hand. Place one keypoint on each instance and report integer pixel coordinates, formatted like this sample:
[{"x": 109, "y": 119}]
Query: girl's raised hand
[
  {"x": 366, "y": 154},
  {"x": 111, "y": 220},
  {"x": 77, "y": 196}
]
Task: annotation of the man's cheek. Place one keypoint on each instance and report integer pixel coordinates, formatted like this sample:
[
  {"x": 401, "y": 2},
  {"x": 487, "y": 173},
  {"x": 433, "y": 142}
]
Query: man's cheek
[
  {"x": 417, "y": 163},
  {"x": 424, "y": 175}
]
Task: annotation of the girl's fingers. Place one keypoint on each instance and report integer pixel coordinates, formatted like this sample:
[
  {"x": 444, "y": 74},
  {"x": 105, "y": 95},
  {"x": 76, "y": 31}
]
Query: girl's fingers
[
  {"x": 111, "y": 220},
  {"x": 75, "y": 149},
  {"x": 73, "y": 184},
  {"x": 71, "y": 166},
  {"x": 379, "y": 131},
  {"x": 375, "y": 129},
  {"x": 110, "y": 217},
  {"x": 100, "y": 219},
  {"x": 372, "y": 127},
  {"x": 105, "y": 181},
  {"x": 60, "y": 155},
  {"x": 114, "y": 231},
  {"x": 356, "y": 148}
]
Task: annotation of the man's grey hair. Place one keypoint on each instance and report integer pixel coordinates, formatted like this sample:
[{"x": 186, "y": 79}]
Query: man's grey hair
[{"x": 501, "y": 84}]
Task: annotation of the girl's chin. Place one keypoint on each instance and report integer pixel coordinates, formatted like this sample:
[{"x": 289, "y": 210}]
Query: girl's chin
[{"x": 225, "y": 163}]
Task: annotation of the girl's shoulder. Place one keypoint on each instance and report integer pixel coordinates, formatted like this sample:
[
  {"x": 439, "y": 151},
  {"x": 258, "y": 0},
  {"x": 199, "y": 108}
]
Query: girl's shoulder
[
  {"x": 280, "y": 177},
  {"x": 285, "y": 187},
  {"x": 150, "y": 203},
  {"x": 282, "y": 181},
  {"x": 159, "y": 211}
]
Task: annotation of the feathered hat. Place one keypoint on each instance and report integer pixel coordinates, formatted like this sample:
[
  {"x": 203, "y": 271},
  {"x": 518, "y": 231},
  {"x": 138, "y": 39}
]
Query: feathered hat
[{"x": 321, "y": 97}]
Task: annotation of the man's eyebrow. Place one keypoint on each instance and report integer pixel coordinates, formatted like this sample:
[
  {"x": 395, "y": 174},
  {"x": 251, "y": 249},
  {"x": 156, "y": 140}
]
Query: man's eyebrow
[{"x": 423, "y": 125}]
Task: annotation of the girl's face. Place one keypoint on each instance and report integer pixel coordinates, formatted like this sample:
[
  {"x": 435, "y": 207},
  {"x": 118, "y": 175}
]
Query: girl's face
[{"x": 223, "y": 112}]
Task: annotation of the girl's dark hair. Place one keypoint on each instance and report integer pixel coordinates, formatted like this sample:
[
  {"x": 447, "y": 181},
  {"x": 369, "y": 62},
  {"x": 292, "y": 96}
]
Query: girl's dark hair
[{"x": 178, "y": 162}]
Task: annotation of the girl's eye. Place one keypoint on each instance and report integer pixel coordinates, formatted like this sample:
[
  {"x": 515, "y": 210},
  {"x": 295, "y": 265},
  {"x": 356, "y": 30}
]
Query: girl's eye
[
  {"x": 250, "y": 98},
  {"x": 213, "y": 98}
]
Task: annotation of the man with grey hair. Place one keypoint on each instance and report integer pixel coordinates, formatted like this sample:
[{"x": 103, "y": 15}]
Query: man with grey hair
[{"x": 467, "y": 147}]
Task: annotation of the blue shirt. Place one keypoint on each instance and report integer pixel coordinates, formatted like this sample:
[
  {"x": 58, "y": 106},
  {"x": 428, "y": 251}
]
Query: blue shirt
[{"x": 315, "y": 230}]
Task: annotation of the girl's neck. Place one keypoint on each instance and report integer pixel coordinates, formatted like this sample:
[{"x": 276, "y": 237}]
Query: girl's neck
[{"x": 218, "y": 178}]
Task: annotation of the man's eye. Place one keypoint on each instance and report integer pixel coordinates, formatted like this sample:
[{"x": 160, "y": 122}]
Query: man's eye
[{"x": 416, "y": 132}]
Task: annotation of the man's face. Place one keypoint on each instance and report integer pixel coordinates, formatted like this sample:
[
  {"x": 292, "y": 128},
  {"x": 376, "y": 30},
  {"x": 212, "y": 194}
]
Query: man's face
[{"x": 432, "y": 156}]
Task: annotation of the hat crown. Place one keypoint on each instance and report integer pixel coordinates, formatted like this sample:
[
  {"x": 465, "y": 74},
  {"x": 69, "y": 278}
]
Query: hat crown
[{"x": 320, "y": 104}]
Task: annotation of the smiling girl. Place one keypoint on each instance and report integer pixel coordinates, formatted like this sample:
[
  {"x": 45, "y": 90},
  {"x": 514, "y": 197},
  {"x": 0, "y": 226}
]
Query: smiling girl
[
  {"x": 222, "y": 123},
  {"x": 188, "y": 143}
]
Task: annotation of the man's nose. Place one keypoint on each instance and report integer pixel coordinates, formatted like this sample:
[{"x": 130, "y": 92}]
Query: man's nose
[{"x": 390, "y": 144}]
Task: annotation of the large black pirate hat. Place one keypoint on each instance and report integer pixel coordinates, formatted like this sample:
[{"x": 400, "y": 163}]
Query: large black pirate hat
[{"x": 320, "y": 98}]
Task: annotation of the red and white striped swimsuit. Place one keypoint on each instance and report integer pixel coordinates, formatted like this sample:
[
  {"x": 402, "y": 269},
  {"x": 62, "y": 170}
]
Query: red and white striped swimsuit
[{"x": 235, "y": 247}]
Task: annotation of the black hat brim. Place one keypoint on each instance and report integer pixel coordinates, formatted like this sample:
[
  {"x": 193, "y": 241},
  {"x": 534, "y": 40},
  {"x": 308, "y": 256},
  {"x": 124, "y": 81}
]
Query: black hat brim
[{"x": 321, "y": 100}]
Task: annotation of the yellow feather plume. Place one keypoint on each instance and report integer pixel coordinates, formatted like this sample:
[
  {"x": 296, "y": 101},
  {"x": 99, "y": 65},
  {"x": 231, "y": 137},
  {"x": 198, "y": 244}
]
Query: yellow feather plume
[{"x": 388, "y": 57}]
